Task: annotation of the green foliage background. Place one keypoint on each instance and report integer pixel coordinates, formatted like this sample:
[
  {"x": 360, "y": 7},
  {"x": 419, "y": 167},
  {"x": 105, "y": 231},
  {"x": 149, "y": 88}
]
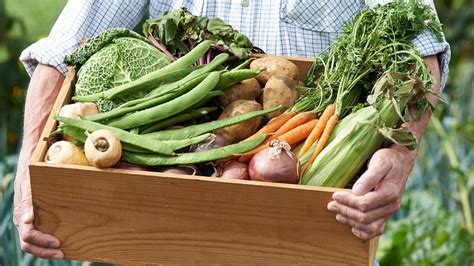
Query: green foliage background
[{"x": 434, "y": 226}]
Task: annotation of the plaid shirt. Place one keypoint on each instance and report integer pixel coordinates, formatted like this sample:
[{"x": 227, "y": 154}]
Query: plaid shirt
[{"x": 280, "y": 27}]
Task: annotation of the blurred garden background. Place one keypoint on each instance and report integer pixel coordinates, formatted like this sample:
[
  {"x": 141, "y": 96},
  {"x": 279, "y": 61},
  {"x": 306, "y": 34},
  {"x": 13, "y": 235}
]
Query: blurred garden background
[{"x": 435, "y": 224}]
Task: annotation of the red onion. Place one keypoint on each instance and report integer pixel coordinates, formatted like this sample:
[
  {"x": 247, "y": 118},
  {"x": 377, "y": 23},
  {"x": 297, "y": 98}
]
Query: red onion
[
  {"x": 275, "y": 164},
  {"x": 235, "y": 170},
  {"x": 212, "y": 142}
]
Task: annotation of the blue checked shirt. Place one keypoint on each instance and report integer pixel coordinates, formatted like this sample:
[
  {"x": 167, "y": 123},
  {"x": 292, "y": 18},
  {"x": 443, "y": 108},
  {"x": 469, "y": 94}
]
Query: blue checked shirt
[{"x": 279, "y": 27}]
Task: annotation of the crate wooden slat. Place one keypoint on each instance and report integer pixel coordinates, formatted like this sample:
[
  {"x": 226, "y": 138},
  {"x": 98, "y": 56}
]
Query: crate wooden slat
[{"x": 123, "y": 216}]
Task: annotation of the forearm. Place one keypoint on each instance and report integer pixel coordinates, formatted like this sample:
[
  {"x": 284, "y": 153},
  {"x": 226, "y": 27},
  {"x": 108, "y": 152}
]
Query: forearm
[{"x": 42, "y": 92}]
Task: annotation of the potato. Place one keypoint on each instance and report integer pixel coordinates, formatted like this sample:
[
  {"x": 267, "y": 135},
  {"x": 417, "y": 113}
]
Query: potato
[
  {"x": 279, "y": 90},
  {"x": 248, "y": 89},
  {"x": 241, "y": 131},
  {"x": 274, "y": 66}
]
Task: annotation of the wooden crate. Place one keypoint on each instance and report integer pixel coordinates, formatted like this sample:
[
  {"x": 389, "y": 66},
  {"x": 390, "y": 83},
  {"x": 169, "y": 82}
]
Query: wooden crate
[{"x": 140, "y": 217}]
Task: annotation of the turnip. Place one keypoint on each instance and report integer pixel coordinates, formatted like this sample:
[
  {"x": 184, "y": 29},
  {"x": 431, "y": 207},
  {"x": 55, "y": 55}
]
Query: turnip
[
  {"x": 76, "y": 110},
  {"x": 103, "y": 149},
  {"x": 65, "y": 152}
]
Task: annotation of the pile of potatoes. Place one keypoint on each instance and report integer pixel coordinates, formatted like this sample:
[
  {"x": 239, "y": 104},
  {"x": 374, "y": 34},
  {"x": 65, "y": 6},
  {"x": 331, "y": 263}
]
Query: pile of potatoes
[{"x": 275, "y": 86}]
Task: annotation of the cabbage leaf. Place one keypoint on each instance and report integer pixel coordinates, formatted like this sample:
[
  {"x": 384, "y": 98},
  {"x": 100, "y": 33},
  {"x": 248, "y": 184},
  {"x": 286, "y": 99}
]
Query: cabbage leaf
[{"x": 118, "y": 61}]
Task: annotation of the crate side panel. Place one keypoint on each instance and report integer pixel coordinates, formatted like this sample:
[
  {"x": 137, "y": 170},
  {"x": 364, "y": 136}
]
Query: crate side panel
[{"x": 118, "y": 217}]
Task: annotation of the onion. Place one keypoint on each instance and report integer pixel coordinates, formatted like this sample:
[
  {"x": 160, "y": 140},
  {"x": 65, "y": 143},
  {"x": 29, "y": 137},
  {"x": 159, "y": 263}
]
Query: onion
[
  {"x": 188, "y": 169},
  {"x": 235, "y": 170},
  {"x": 212, "y": 142},
  {"x": 275, "y": 164}
]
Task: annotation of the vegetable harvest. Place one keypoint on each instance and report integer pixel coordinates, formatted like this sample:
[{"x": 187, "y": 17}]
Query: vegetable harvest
[{"x": 196, "y": 106}]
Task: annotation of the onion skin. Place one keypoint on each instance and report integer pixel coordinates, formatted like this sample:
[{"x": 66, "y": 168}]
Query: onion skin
[
  {"x": 275, "y": 164},
  {"x": 235, "y": 170},
  {"x": 214, "y": 141}
]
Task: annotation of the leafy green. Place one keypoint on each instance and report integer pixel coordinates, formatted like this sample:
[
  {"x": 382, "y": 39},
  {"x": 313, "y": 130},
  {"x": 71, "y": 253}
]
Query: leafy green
[
  {"x": 375, "y": 41},
  {"x": 93, "y": 45},
  {"x": 179, "y": 31},
  {"x": 113, "y": 60},
  {"x": 223, "y": 34},
  {"x": 427, "y": 235}
]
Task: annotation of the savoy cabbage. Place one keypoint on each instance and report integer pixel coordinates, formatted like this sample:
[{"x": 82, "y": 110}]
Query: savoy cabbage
[{"x": 114, "y": 60}]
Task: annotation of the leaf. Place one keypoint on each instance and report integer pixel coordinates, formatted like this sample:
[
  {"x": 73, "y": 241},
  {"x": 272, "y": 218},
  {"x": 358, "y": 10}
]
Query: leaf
[
  {"x": 92, "y": 46},
  {"x": 123, "y": 60},
  {"x": 401, "y": 136}
]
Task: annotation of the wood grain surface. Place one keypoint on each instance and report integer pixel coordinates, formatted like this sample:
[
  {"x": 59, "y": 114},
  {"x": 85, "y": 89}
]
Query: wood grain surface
[{"x": 144, "y": 217}]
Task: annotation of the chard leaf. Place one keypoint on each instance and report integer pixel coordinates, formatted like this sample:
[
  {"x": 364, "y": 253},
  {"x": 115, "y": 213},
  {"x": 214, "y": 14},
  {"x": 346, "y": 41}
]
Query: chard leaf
[
  {"x": 179, "y": 31},
  {"x": 225, "y": 35}
]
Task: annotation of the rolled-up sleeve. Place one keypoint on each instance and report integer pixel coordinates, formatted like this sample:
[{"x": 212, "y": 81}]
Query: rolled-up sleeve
[
  {"x": 81, "y": 19},
  {"x": 427, "y": 44}
]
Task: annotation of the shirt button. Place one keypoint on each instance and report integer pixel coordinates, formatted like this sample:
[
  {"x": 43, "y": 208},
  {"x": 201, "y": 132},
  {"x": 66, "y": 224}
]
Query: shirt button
[{"x": 244, "y": 3}]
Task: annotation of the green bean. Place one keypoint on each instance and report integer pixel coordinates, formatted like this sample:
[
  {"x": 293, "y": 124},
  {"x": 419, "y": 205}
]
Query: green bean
[
  {"x": 152, "y": 79},
  {"x": 171, "y": 87},
  {"x": 179, "y": 144},
  {"x": 141, "y": 141},
  {"x": 194, "y": 157},
  {"x": 244, "y": 64},
  {"x": 208, "y": 98},
  {"x": 74, "y": 132},
  {"x": 217, "y": 61},
  {"x": 169, "y": 108},
  {"x": 135, "y": 130},
  {"x": 192, "y": 131},
  {"x": 80, "y": 135},
  {"x": 173, "y": 144},
  {"x": 235, "y": 76},
  {"x": 148, "y": 102},
  {"x": 193, "y": 114}
]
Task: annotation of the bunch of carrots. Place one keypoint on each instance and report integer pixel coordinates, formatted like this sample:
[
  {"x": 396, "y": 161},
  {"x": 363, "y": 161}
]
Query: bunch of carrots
[{"x": 293, "y": 128}]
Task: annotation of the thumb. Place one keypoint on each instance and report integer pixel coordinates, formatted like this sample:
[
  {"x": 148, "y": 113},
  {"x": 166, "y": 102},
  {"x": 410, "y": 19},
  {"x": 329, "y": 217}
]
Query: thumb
[
  {"x": 377, "y": 169},
  {"x": 27, "y": 216}
]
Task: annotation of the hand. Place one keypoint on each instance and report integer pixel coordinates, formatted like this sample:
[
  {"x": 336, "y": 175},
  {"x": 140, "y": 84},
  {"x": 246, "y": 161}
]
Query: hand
[
  {"x": 377, "y": 193},
  {"x": 31, "y": 240},
  {"x": 42, "y": 91}
]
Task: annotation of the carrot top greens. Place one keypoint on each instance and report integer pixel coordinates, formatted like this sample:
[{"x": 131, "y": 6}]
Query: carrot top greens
[{"x": 375, "y": 41}]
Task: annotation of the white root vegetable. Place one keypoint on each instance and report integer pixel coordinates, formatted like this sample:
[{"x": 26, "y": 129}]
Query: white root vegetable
[
  {"x": 76, "y": 110},
  {"x": 103, "y": 149},
  {"x": 64, "y": 152}
]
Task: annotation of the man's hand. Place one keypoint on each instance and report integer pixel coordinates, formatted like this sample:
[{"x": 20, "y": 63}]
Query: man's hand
[
  {"x": 377, "y": 193},
  {"x": 42, "y": 92},
  {"x": 31, "y": 240}
]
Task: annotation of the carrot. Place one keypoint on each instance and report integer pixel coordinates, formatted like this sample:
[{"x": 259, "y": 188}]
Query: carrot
[
  {"x": 274, "y": 124},
  {"x": 324, "y": 139},
  {"x": 294, "y": 122},
  {"x": 269, "y": 128},
  {"x": 318, "y": 129},
  {"x": 293, "y": 137}
]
